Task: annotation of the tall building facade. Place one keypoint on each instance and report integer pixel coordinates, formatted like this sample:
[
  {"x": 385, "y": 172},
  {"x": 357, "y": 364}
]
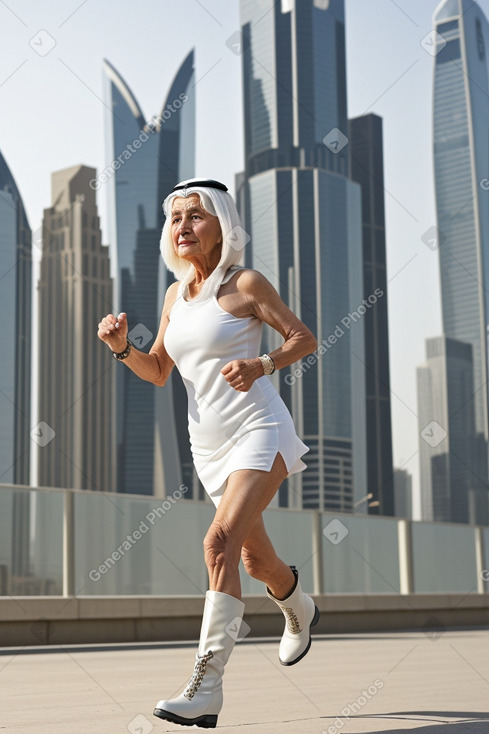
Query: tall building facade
[
  {"x": 76, "y": 370},
  {"x": 446, "y": 415},
  {"x": 303, "y": 215},
  {"x": 146, "y": 159},
  {"x": 367, "y": 168},
  {"x": 403, "y": 494},
  {"x": 461, "y": 155},
  {"x": 15, "y": 306},
  {"x": 15, "y": 361}
]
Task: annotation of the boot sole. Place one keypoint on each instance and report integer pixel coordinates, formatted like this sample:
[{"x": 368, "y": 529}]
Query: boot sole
[
  {"x": 207, "y": 721},
  {"x": 314, "y": 622}
]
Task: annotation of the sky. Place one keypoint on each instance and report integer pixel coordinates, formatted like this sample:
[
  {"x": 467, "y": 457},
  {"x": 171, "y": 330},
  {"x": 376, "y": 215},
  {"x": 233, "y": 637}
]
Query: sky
[{"x": 53, "y": 117}]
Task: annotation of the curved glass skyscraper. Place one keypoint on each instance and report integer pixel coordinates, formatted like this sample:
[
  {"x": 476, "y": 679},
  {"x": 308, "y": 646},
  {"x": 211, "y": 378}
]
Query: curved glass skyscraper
[
  {"x": 461, "y": 160},
  {"x": 146, "y": 159}
]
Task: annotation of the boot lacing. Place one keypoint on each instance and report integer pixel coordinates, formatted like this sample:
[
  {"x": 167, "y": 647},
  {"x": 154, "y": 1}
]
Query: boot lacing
[
  {"x": 199, "y": 672},
  {"x": 291, "y": 619}
]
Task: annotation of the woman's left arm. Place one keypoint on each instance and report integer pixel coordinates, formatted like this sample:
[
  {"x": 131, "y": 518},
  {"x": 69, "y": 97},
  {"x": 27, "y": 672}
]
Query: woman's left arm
[{"x": 265, "y": 303}]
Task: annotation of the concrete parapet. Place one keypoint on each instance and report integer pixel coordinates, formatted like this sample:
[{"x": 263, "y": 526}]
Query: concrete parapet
[{"x": 79, "y": 620}]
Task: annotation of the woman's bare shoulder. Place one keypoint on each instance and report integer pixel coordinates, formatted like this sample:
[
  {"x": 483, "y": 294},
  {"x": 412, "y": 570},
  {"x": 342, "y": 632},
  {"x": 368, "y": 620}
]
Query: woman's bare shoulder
[
  {"x": 249, "y": 280},
  {"x": 171, "y": 296}
]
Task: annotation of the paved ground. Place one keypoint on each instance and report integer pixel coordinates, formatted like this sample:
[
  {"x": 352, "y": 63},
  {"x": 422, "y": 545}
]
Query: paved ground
[{"x": 392, "y": 682}]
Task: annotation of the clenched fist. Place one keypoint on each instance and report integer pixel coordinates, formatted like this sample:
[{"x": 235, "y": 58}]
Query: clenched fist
[
  {"x": 241, "y": 373},
  {"x": 113, "y": 331}
]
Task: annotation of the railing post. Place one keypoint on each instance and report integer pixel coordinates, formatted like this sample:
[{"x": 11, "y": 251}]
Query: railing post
[
  {"x": 404, "y": 535},
  {"x": 317, "y": 553},
  {"x": 479, "y": 560},
  {"x": 68, "y": 544}
]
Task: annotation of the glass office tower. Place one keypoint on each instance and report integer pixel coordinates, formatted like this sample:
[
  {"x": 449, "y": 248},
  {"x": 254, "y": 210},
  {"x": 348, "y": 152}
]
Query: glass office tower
[
  {"x": 461, "y": 155},
  {"x": 367, "y": 167},
  {"x": 15, "y": 306},
  {"x": 146, "y": 159},
  {"x": 445, "y": 385},
  {"x": 303, "y": 214},
  {"x": 15, "y": 360}
]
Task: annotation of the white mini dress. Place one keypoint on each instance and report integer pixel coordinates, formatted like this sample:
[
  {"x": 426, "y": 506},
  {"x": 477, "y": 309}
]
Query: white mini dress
[{"x": 228, "y": 429}]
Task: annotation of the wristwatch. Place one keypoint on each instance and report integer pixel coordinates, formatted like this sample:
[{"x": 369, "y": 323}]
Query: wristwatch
[{"x": 125, "y": 353}]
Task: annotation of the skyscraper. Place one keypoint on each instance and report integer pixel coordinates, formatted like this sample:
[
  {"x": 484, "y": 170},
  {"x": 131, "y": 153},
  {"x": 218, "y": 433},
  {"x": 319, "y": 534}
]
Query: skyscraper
[
  {"x": 447, "y": 427},
  {"x": 461, "y": 154},
  {"x": 15, "y": 306},
  {"x": 367, "y": 167},
  {"x": 15, "y": 360},
  {"x": 146, "y": 159},
  {"x": 403, "y": 494},
  {"x": 76, "y": 370},
  {"x": 303, "y": 215}
]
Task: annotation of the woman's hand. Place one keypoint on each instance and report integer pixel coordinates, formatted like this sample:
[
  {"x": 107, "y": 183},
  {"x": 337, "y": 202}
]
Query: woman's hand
[
  {"x": 113, "y": 331},
  {"x": 241, "y": 373}
]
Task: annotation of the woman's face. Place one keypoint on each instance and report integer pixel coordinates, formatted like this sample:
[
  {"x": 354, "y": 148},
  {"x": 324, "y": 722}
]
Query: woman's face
[{"x": 196, "y": 233}]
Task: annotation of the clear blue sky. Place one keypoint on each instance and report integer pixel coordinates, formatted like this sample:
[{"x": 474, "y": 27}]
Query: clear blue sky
[{"x": 52, "y": 118}]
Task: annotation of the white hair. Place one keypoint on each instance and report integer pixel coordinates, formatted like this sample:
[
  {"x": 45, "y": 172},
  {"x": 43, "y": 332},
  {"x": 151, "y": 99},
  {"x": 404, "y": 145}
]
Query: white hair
[{"x": 221, "y": 205}]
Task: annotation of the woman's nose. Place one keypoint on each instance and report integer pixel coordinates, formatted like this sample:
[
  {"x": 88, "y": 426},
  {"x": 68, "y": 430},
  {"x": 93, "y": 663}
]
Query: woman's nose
[{"x": 184, "y": 226}]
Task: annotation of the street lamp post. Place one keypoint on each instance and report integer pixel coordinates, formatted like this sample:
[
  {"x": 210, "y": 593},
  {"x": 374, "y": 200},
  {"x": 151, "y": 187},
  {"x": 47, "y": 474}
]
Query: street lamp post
[{"x": 366, "y": 499}]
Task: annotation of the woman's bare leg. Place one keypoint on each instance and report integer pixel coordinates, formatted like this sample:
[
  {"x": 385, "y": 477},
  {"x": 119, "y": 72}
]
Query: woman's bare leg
[
  {"x": 261, "y": 562},
  {"x": 248, "y": 493}
]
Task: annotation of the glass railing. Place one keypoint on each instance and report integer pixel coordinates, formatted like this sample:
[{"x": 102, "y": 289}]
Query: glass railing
[{"x": 60, "y": 542}]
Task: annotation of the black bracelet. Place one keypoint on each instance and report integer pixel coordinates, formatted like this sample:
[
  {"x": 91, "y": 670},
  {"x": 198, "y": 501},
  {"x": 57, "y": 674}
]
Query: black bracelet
[{"x": 125, "y": 353}]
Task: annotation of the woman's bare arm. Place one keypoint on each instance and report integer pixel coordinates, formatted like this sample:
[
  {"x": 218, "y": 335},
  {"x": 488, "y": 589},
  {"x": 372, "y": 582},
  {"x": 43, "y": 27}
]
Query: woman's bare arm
[
  {"x": 154, "y": 366},
  {"x": 266, "y": 304}
]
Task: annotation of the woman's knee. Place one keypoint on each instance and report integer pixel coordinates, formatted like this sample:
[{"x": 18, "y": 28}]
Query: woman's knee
[{"x": 219, "y": 547}]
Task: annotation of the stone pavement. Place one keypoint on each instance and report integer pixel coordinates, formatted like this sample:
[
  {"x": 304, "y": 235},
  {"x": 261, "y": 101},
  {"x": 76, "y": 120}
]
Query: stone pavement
[{"x": 432, "y": 682}]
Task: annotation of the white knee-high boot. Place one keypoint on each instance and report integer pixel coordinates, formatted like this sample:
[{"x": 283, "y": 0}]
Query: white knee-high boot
[
  {"x": 201, "y": 701},
  {"x": 300, "y": 614}
]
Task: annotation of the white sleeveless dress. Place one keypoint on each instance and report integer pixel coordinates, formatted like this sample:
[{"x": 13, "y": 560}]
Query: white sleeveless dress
[{"x": 229, "y": 429}]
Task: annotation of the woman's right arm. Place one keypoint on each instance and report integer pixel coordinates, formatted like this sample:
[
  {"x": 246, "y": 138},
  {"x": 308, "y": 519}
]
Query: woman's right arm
[{"x": 154, "y": 366}]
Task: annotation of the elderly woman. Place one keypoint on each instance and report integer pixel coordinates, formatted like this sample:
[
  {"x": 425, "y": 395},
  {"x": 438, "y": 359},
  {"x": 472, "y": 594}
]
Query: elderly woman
[{"x": 242, "y": 436}]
